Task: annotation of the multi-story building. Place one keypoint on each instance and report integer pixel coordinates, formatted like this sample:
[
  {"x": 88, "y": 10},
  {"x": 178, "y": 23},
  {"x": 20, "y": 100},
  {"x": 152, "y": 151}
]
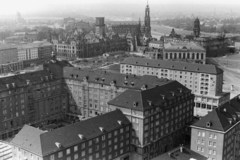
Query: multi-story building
[
  {"x": 205, "y": 81},
  {"x": 37, "y": 50},
  {"x": 8, "y": 53},
  {"x": 27, "y": 51},
  {"x": 82, "y": 49},
  {"x": 106, "y": 137},
  {"x": 91, "y": 90},
  {"x": 158, "y": 115},
  {"x": 32, "y": 98},
  {"x": 11, "y": 67},
  {"x": 189, "y": 52},
  {"x": 217, "y": 135}
]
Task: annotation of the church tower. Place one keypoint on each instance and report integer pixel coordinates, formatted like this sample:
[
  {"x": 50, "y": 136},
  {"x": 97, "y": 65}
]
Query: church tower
[
  {"x": 147, "y": 22},
  {"x": 196, "y": 28}
]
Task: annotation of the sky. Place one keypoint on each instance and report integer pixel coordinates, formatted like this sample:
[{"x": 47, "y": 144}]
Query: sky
[{"x": 33, "y": 6}]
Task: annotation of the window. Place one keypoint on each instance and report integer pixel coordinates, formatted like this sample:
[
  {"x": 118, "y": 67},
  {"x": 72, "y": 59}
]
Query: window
[
  {"x": 97, "y": 155},
  {"x": 103, "y": 145},
  {"x": 214, "y": 144},
  {"x": 210, "y": 143},
  {"x": 52, "y": 157},
  {"x": 214, "y": 152},
  {"x": 68, "y": 158},
  {"x": 89, "y": 142},
  {"x": 203, "y": 134},
  {"x": 109, "y": 142},
  {"x": 103, "y": 137},
  {"x": 76, "y": 156},
  {"x": 90, "y": 150},
  {"x": 209, "y": 151},
  {"x": 115, "y": 133},
  {"x": 103, "y": 152},
  {"x": 83, "y": 153},
  {"x": 215, "y": 136},
  {"x": 60, "y": 154},
  {"x": 199, "y": 133},
  {"x": 83, "y": 145},
  {"x": 75, "y": 148},
  {"x": 109, "y": 135}
]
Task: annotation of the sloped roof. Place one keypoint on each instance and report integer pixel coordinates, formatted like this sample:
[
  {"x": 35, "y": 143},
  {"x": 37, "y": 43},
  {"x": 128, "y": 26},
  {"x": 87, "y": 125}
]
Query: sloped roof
[
  {"x": 43, "y": 143},
  {"x": 103, "y": 77},
  {"x": 173, "y": 65},
  {"x": 156, "y": 96},
  {"x": 68, "y": 135},
  {"x": 220, "y": 117},
  {"x": 28, "y": 138}
]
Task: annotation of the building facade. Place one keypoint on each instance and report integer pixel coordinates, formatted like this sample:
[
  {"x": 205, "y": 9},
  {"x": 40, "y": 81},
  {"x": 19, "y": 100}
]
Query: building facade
[
  {"x": 188, "y": 52},
  {"x": 158, "y": 116},
  {"x": 31, "y": 98},
  {"x": 105, "y": 137},
  {"x": 205, "y": 81},
  {"x": 11, "y": 67},
  {"x": 37, "y": 50},
  {"x": 217, "y": 135},
  {"x": 91, "y": 90}
]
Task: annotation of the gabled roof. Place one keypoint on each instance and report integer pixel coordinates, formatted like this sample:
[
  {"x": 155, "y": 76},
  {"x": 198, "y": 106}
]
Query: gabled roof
[
  {"x": 146, "y": 99},
  {"x": 173, "y": 65},
  {"x": 43, "y": 143},
  {"x": 220, "y": 118},
  {"x": 28, "y": 138},
  {"x": 120, "y": 80}
]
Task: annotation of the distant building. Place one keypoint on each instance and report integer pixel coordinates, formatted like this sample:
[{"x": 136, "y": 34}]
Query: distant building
[
  {"x": 188, "y": 52},
  {"x": 196, "y": 28},
  {"x": 217, "y": 135},
  {"x": 135, "y": 33},
  {"x": 205, "y": 81},
  {"x": 105, "y": 137},
  {"x": 37, "y": 50},
  {"x": 100, "y": 26},
  {"x": 8, "y": 53}
]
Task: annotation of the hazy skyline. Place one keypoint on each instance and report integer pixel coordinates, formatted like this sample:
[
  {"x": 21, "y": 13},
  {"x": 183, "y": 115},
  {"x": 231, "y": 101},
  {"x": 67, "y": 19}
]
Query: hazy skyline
[{"x": 10, "y": 7}]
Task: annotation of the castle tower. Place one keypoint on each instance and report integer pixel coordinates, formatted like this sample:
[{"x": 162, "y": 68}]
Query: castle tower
[
  {"x": 147, "y": 21},
  {"x": 100, "y": 26},
  {"x": 196, "y": 28}
]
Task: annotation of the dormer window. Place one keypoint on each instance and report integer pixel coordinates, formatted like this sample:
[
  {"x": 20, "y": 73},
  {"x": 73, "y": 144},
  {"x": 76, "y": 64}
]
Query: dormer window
[
  {"x": 58, "y": 145},
  {"x": 132, "y": 84},
  {"x": 209, "y": 124},
  {"x": 126, "y": 77},
  {"x": 120, "y": 122},
  {"x": 41, "y": 78},
  {"x": 230, "y": 120},
  {"x": 173, "y": 94},
  {"x": 163, "y": 96},
  {"x": 135, "y": 104},
  {"x": 234, "y": 118},
  {"x": 96, "y": 79},
  {"x": 144, "y": 87},
  {"x": 13, "y": 84},
  {"x": 180, "y": 90},
  {"x": 7, "y": 85},
  {"x": 113, "y": 82},
  {"x": 103, "y": 79},
  {"x": 46, "y": 78},
  {"x": 150, "y": 103},
  {"x": 28, "y": 81},
  {"x": 85, "y": 78},
  {"x": 125, "y": 83},
  {"x": 101, "y": 129},
  {"x": 81, "y": 136}
]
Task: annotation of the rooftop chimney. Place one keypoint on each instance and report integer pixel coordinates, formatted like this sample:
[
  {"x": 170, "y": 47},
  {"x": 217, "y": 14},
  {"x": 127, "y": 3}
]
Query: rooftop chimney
[
  {"x": 80, "y": 136},
  {"x": 120, "y": 122},
  {"x": 101, "y": 129}
]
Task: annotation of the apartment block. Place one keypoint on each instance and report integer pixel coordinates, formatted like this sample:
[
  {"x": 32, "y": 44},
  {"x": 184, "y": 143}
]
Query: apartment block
[
  {"x": 159, "y": 117},
  {"x": 106, "y": 137},
  {"x": 32, "y": 98},
  {"x": 36, "y": 50},
  {"x": 205, "y": 81},
  {"x": 217, "y": 135},
  {"x": 89, "y": 91}
]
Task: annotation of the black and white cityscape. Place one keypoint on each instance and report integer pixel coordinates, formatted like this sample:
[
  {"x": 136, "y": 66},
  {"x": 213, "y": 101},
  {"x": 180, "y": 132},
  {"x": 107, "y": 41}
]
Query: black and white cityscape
[{"x": 120, "y": 80}]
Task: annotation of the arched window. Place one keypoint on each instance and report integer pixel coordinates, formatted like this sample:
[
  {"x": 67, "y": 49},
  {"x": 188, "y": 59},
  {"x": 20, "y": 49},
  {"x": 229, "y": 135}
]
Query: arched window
[
  {"x": 202, "y": 55},
  {"x": 193, "y": 55},
  {"x": 170, "y": 56},
  {"x": 175, "y": 55},
  {"x": 197, "y": 56}
]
